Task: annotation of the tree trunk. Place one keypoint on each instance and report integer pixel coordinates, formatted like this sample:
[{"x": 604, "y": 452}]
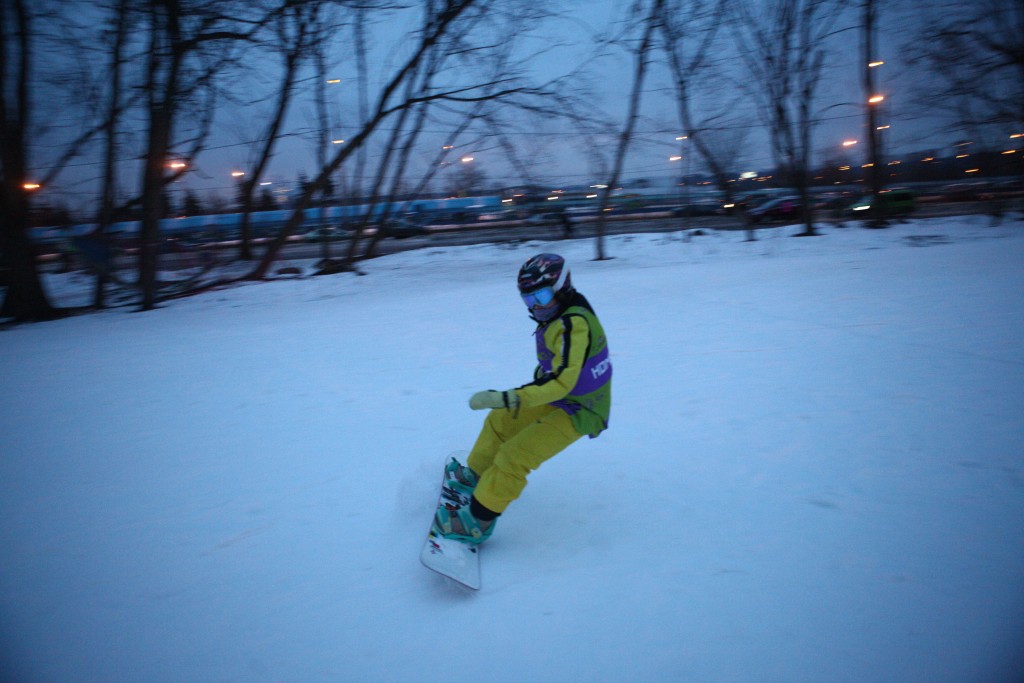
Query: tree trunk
[
  {"x": 106, "y": 213},
  {"x": 626, "y": 136},
  {"x": 437, "y": 27},
  {"x": 165, "y": 62},
  {"x": 292, "y": 60},
  {"x": 876, "y": 219},
  {"x": 25, "y": 299},
  {"x": 152, "y": 207}
]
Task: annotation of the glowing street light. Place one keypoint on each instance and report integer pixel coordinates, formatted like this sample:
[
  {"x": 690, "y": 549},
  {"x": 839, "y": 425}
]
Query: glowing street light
[
  {"x": 337, "y": 142},
  {"x": 675, "y": 158},
  {"x": 875, "y": 99},
  {"x": 31, "y": 186},
  {"x": 177, "y": 164},
  {"x": 237, "y": 174},
  {"x": 466, "y": 160},
  {"x": 849, "y": 143},
  {"x": 875, "y": 63},
  {"x": 334, "y": 80}
]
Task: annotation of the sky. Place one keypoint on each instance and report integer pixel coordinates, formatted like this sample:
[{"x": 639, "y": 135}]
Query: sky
[
  {"x": 606, "y": 76},
  {"x": 555, "y": 154},
  {"x": 814, "y": 470}
]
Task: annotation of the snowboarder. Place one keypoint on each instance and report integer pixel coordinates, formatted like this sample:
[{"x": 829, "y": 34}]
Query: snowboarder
[{"x": 569, "y": 397}]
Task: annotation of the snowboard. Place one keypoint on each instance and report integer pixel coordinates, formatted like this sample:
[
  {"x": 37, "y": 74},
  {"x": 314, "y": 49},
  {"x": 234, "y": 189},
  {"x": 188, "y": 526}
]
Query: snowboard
[{"x": 457, "y": 560}]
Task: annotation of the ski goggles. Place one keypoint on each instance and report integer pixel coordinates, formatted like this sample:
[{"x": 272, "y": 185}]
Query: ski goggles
[{"x": 539, "y": 298}]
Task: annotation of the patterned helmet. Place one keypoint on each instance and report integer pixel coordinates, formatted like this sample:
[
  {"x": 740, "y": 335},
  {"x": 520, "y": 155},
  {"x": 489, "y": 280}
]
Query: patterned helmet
[{"x": 545, "y": 285}]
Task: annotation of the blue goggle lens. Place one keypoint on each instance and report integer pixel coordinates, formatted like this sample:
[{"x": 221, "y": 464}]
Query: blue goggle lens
[{"x": 539, "y": 298}]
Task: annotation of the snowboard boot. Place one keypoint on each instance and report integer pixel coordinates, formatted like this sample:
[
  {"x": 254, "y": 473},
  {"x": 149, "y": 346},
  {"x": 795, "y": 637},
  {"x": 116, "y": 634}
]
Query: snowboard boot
[
  {"x": 459, "y": 524},
  {"x": 459, "y": 482}
]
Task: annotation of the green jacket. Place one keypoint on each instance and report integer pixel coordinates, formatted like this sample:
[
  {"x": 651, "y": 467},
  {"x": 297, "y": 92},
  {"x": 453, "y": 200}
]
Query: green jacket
[{"x": 574, "y": 371}]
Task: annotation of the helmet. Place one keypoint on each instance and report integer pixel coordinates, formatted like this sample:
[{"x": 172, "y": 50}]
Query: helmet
[{"x": 545, "y": 285}]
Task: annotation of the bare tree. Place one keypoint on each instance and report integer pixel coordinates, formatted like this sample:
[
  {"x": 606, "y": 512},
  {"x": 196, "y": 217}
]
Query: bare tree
[
  {"x": 23, "y": 131},
  {"x": 721, "y": 143},
  {"x": 442, "y": 20},
  {"x": 869, "y": 58},
  {"x": 292, "y": 31},
  {"x": 974, "y": 53},
  {"x": 188, "y": 46},
  {"x": 689, "y": 31},
  {"x": 25, "y": 298},
  {"x": 437, "y": 23},
  {"x": 467, "y": 52},
  {"x": 393, "y": 149},
  {"x": 650, "y": 17},
  {"x": 784, "y": 46},
  {"x": 359, "y": 42},
  {"x": 118, "y": 36},
  {"x": 95, "y": 104}
]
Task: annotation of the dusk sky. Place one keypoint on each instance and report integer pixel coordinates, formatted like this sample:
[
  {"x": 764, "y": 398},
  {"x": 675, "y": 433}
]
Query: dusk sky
[{"x": 556, "y": 154}]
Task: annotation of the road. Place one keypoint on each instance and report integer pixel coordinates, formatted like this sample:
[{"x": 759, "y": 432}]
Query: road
[
  {"x": 446, "y": 236},
  {"x": 517, "y": 231}
]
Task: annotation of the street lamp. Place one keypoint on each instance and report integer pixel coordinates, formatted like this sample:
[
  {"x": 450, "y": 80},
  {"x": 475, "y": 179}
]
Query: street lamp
[
  {"x": 31, "y": 186},
  {"x": 684, "y": 185}
]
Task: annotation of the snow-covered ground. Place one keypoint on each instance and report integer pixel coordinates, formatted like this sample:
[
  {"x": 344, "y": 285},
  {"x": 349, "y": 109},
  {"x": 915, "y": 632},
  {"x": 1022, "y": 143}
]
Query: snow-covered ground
[{"x": 814, "y": 471}]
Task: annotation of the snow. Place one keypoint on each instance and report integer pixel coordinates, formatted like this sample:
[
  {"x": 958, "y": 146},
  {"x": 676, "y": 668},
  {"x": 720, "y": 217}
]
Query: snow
[{"x": 814, "y": 471}]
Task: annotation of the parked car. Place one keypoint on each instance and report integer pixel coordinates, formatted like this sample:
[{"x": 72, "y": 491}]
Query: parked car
[
  {"x": 901, "y": 202},
  {"x": 541, "y": 218},
  {"x": 400, "y": 228},
  {"x": 327, "y": 233},
  {"x": 967, "y": 192},
  {"x": 700, "y": 207},
  {"x": 780, "y": 209},
  {"x": 498, "y": 215},
  {"x": 837, "y": 202}
]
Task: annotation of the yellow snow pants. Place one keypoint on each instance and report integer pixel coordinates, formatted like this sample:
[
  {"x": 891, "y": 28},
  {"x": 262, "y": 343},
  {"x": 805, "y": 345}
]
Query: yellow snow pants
[{"x": 511, "y": 445}]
